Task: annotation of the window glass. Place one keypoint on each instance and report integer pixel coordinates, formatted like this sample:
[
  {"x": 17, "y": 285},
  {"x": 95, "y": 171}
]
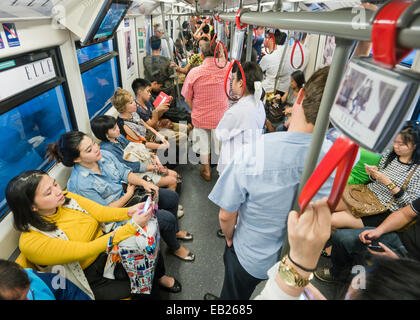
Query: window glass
[
  {"x": 25, "y": 132},
  {"x": 96, "y": 50},
  {"x": 100, "y": 84}
]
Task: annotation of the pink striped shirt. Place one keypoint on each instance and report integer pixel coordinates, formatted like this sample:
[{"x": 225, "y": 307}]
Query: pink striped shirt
[{"x": 204, "y": 86}]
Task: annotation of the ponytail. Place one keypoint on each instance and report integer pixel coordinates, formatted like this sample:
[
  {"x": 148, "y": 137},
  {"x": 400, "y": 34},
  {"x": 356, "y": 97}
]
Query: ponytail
[{"x": 66, "y": 149}]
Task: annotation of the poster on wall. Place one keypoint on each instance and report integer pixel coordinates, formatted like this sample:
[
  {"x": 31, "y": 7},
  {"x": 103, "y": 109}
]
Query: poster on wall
[
  {"x": 328, "y": 53},
  {"x": 11, "y": 35},
  {"x": 1, "y": 42},
  {"x": 129, "y": 54},
  {"x": 140, "y": 34}
]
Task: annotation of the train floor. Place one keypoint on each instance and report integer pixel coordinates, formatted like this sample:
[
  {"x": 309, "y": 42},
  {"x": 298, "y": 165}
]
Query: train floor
[{"x": 206, "y": 273}]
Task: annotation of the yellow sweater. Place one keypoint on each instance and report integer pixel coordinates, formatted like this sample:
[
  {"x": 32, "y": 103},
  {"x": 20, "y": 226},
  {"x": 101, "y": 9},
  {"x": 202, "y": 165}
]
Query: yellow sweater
[{"x": 86, "y": 240}]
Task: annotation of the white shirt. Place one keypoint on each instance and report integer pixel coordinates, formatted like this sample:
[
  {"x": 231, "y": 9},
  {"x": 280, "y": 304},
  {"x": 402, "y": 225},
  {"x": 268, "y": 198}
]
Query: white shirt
[
  {"x": 164, "y": 50},
  {"x": 270, "y": 64},
  {"x": 240, "y": 125}
]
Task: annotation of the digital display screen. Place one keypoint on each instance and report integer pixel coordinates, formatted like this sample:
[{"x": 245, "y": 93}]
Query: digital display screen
[{"x": 111, "y": 20}]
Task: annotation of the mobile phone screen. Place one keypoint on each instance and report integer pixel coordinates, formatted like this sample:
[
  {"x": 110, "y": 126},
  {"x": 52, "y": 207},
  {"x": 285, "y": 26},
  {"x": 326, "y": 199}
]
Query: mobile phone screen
[{"x": 146, "y": 205}]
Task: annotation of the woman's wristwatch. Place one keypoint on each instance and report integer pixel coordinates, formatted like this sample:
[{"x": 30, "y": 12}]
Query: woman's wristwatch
[
  {"x": 391, "y": 186},
  {"x": 291, "y": 277}
]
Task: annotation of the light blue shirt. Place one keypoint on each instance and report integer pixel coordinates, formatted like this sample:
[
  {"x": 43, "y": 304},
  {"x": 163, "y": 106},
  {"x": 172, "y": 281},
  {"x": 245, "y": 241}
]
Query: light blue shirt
[
  {"x": 103, "y": 188},
  {"x": 38, "y": 289},
  {"x": 261, "y": 183}
]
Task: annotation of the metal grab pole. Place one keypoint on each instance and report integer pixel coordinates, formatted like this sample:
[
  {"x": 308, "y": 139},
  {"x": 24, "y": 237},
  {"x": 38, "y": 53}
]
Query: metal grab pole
[
  {"x": 337, "y": 69},
  {"x": 162, "y": 10},
  {"x": 249, "y": 43}
]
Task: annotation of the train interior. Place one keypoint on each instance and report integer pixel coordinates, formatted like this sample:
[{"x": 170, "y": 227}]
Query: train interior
[{"x": 58, "y": 73}]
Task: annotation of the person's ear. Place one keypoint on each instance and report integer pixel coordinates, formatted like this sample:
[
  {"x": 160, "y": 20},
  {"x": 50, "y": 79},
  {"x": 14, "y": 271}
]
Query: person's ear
[{"x": 34, "y": 208}]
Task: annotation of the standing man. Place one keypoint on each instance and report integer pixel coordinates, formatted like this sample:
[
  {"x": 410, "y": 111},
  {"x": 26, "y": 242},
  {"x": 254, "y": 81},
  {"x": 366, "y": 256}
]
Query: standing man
[
  {"x": 256, "y": 191},
  {"x": 204, "y": 94},
  {"x": 167, "y": 48}
]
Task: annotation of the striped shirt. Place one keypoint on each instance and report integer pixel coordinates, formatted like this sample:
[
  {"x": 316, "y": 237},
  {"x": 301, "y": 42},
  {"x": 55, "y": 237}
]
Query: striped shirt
[
  {"x": 398, "y": 172},
  {"x": 204, "y": 86}
]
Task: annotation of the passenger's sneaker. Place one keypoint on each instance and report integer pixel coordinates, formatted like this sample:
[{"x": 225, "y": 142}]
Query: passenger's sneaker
[
  {"x": 180, "y": 207},
  {"x": 180, "y": 213},
  {"x": 220, "y": 233},
  {"x": 209, "y": 296}
]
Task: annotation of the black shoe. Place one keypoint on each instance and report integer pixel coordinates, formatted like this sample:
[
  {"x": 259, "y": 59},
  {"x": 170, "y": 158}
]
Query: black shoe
[
  {"x": 174, "y": 289},
  {"x": 209, "y": 296},
  {"x": 325, "y": 275},
  {"x": 220, "y": 233}
]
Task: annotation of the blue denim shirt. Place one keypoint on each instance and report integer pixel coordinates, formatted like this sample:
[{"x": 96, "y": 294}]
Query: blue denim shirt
[
  {"x": 102, "y": 188},
  {"x": 117, "y": 149},
  {"x": 261, "y": 182}
]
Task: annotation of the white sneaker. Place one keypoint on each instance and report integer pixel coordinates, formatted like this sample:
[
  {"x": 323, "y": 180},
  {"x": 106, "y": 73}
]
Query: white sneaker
[
  {"x": 180, "y": 207},
  {"x": 180, "y": 213}
]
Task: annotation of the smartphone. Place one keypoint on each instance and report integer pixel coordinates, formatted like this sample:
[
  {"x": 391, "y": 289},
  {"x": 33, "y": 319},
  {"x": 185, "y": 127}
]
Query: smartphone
[
  {"x": 146, "y": 205},
  {"x": 374, "y": 245},
  {"x": 367, "y": 165}
]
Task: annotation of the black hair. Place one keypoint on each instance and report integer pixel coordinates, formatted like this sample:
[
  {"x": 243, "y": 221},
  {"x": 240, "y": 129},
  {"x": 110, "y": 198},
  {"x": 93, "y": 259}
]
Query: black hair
[
  {"x": 12, "y": 277},
  {"x": 252, "y": 72},
  {"x": 410, "y": 133},
  {"x": 280, "y": 37},
  {"x": 299, "y": 78},
  {"x": 100, "y": 126},
  {"x": 206, "y": 29},
  {"x": 391, "y": 279},
  {"x": 155, "y": 42},
  {"x": 20, "y": 195},
  {"x": 185, "y": 25},
  {"x": 139, "y": 84},
  {"x": 66, "y": 149}
]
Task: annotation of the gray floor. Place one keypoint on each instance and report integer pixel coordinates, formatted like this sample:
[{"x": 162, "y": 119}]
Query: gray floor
[{"x": 206, "y": 273}]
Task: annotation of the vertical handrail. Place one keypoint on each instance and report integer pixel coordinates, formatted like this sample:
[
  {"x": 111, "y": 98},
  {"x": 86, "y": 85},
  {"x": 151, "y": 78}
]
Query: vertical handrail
[
  {"x": 337, "y": 69},
  {"x": 162, "y": 10},
  {"x": 249, "y": 42}
]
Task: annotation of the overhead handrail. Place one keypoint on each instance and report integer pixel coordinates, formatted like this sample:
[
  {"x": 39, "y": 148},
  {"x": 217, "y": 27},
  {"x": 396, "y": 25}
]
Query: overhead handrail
[{"x": 339, "y": 23}]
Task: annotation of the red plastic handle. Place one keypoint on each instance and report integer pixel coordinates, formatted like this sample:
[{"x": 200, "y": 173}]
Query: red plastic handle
[
  {"x": 216, "y": 51},
  {"x": 385, "y": 47},
  {"x": 212, "y": 40},
  {"x": 238, "y": 22},
  {"x": 341, "y": 156},
  {"x": 227, "y": 77},
  {"x": 218, "y": 19},
  {"x": 293, "y": 55},
  {"x": 272, "y": 38}
]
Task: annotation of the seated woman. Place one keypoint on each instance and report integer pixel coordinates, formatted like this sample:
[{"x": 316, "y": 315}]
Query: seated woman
[
  {"x": 98, "y": 175},
  {"x": 106, "y": 129},
  {"x": 130, "y": 123},
  {"x": 64, "y": 229},
  {"x": 395, "y": 182},
  {"x": 297, "y": 81}
]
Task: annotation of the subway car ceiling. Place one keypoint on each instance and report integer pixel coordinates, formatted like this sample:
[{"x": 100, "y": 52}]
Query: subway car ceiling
[{"x": 44, "y": 37}]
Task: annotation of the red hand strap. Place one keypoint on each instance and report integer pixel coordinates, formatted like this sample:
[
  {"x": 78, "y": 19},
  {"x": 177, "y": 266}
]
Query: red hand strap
[
  {"x": 272, "y": 38},
  {"x": 341, "y": 156},
  {"x": 216, "y": 51},
  {"x": 238, "y": 22},
  {"x": 293, "y": 55},
  {"x": 385, "y": 47},
  {"x": 227, "y": 77}
]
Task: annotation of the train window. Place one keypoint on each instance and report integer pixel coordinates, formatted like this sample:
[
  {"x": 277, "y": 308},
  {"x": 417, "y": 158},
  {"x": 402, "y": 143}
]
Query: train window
[
  {"x": 28, "y": 129},
  {"x": 91, "y": 52},
  {"x": 100, "y": 84},
  {"x": 100, "y": 75}
]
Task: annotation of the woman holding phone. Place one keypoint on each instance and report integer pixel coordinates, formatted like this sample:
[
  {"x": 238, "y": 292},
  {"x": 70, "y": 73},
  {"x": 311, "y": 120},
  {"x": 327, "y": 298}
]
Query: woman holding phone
[{"x": 63, "y": 228}]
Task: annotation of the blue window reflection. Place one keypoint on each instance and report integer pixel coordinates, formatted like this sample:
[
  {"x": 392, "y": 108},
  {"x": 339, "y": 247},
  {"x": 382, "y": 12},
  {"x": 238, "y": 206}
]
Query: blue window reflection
[
  {"x": 99, "y": 84},
  {"x": 96, "y": 50},
  {"x": 25, "y": 132}
]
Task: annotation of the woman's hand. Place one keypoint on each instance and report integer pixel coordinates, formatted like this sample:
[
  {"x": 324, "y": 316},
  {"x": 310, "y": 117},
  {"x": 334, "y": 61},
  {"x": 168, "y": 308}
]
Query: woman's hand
[
  {"x": 141, "y": 219},
  {"x": 130, "y": 189},
  {"x": 308, "y": 233},
  {"x": 149, "y": 187},
  {"x": 287, "y": 110},
  {"x": 387, "y": 252},
  {"x": 377, "y": 175},
  {"x": 368, "y": 235},
  {"x": 133, "y": 209}
]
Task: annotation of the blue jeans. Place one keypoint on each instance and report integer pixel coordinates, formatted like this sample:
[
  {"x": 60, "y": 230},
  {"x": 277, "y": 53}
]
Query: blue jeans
[
  {"x": 167, "y": 217},
  {"x": 348, "y": 250}
]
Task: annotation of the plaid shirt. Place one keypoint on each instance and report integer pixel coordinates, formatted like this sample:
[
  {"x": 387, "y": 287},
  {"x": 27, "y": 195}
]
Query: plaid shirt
[{"x": 204, "y": 86}]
